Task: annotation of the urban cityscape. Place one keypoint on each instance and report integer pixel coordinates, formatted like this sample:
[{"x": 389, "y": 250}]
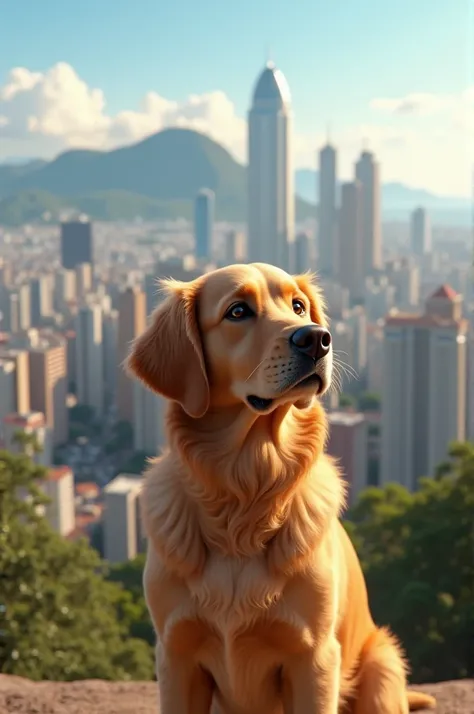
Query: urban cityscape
[
  {"x": 147, "y": 141},
  {"x": 74, "y": 296}
]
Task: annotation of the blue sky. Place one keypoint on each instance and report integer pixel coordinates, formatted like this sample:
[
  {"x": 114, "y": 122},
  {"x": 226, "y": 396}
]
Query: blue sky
[{"x": 337, "y": 55}]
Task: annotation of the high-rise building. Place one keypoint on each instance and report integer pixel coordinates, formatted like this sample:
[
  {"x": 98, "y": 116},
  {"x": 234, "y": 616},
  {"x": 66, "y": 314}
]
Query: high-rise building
[
  {"x": 131, "y": 323},
  {"x": 234, "y": 247},
  {"x": 76, "y": 244},
  {"x": 90, "y": 357},
  {"x": 351, "y": 257},
  {"x": 123, "y": 535},
  {"x": 64, "y": 289},
  {"x": 420, "y": 232},
  {"x": 424, "y": 388},
  {"x": 48, "y": 380},
  {"x": 348, "y": 443},
  {"x": 327, "y": 213},
  {"x": 302, "y": 261},
  {"x": 17, "y": 302},
  {"x": 368, "y": 174},
  {"x": 20, "y": 376},
  {"x": 405, "y": 278},
  {"x": 41, "y": 296},
  {"x": 59, "y": 488},
  {"x": 83, "y": 280},
  {"x": 204, "y": 223},
  {"x": 7, "y": 388},
  {"x": 110, "y": 335},
  {"x": 148, "y": 424},
  {"x": 271, "y": 201}
]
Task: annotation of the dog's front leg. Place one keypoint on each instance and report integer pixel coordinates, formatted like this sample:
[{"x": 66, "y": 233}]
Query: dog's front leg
[
  {"x": 312, "y": 681},
  {"x": 185, "y": 688}
]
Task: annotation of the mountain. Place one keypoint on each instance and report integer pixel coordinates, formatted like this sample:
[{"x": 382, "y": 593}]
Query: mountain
[
  {"x": 158, "y": 177},
  {"x": 398, "y": 200}
]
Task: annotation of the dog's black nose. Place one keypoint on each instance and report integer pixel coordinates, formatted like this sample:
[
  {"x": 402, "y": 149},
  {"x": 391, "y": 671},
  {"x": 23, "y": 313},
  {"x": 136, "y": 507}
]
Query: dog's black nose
[{"x": 312, "y": 340}]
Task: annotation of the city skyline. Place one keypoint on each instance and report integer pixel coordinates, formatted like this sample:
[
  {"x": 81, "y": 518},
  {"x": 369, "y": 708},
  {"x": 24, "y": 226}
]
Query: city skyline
[{"x": 414, "y": 113}]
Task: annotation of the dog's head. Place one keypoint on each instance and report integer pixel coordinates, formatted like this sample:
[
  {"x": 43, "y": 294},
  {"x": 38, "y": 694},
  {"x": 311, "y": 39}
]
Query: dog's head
[{"x": 248, "y": 333}]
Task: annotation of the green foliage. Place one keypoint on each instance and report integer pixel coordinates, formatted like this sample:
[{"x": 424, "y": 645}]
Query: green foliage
[
  {"x": 134, "y": 612},
  {"x": 417, "y": 552},
  {"x": 369, "y": 402},
  {"x": 59, "y": 618}
]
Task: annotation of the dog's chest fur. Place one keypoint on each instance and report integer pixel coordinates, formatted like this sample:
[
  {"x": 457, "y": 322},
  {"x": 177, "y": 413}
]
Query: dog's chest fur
[{"x": 232, "y": 591}]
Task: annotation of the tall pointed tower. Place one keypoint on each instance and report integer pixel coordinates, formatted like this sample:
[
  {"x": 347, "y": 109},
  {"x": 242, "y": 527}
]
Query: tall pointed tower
[{"x": 271, "y": 202}]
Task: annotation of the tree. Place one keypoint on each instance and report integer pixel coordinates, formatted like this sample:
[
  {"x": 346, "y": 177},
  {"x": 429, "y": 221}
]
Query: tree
[
  {"x": 417, "y": 551},
  {"x": 134, "y": 612},
  {"x": 369, "y": 402},
  {"x": 58, "y": 615}
]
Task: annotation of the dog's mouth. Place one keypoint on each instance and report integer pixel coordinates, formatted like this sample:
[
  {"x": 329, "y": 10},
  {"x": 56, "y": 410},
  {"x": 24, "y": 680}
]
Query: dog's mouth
[{"x": 261, "y": 404}]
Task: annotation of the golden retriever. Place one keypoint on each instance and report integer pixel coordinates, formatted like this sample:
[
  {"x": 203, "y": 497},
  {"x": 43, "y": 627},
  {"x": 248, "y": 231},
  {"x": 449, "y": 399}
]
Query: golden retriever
[{"x": 254, "y": 588}]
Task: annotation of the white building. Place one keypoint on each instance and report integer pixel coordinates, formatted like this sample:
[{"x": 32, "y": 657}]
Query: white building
[
  {"x": 90, "y": 357},
  {"x": 64, "y": 289},
  {"x": 7, "y": 388},
  {"x": 271, "y": 202},
  {"x": 148, "y": 419},
  {"x": 123, "y": 534},
  {"x": 59, "y": 488},
  {"x": 110, "y": 335},
  {"x": 420, "y": 232},
  {"x": 424, "y": 388}
]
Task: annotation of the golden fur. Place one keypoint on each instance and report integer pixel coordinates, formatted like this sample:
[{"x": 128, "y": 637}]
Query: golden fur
[{"x": 255, "y": 591}]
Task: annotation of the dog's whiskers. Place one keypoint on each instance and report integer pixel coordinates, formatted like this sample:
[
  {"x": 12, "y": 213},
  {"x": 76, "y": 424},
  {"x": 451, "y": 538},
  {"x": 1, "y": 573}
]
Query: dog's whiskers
[{"x": 254, "y": 370}]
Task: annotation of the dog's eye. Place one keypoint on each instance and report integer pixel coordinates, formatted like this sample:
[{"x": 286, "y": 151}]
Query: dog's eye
[
  {"x": 239, "y": 311},
  {"x": 298, "y": 307}
]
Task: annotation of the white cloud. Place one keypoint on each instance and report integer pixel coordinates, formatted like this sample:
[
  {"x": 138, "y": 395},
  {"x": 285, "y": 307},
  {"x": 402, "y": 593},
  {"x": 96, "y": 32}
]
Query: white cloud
[
  {"x": 426, "y": 104},
  {"x": 43, "y": 113}
]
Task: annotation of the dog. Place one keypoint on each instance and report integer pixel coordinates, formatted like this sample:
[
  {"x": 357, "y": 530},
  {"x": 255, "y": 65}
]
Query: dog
[{"x": 254, "y": 589}]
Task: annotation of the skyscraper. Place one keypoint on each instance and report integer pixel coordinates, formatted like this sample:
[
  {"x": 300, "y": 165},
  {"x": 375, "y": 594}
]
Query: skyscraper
[
  {"x": 424, "y": 388},
  {"x": 204, "y": 223},
  {"x": 420, "y": 233},
  {"x": 327, "y": 215},
  {"x": 48, "y": 381},
  {"x": 302, "y": 261},
  {"x": 271, "y": 201},
  {"x": 368, "y": 173},
  {"x": 76, "y": 243},
  {"x": 351, "y": 256},
  {"x": 90, "y": 357},
  {"x": 131, "y": 323}
]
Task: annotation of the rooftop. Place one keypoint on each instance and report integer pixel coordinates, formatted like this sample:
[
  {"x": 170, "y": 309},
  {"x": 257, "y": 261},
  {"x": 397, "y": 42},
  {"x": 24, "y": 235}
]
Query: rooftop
[
  {"x": 272, "y": 88},
  {"x": 445, "y": 292},
  {"x": 58, "y": 472},
  {"x": 346, "y": 418},
  {"x": 31, "y": 419},
  {"x": 123, "y": 483}
]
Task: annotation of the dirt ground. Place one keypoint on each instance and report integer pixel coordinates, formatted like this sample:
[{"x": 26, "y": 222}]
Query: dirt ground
[{"x": 19, "y": 696}]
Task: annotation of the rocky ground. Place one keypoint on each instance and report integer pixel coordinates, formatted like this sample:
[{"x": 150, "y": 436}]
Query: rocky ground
[{"x": 19, "y": 696}]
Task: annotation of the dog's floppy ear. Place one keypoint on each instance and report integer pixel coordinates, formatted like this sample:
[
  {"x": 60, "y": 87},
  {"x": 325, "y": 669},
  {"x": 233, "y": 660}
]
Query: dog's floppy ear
[
  {"x": 307, "y": 284},
  {"x": 168, "y": 356}
]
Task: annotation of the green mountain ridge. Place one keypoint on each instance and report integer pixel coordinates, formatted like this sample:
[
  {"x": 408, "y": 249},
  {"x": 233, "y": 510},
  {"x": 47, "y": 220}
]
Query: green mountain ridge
[{"x": 156, "y": 178}]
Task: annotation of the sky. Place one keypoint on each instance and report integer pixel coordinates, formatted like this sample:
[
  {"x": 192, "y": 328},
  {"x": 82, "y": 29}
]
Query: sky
[{"x": 397, "y": 77}]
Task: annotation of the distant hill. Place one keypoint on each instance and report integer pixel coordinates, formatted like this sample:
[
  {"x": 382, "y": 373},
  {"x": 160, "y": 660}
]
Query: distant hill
[
  {"x": 158, "y": 177},
  {"x": 398, "y": 200}
]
